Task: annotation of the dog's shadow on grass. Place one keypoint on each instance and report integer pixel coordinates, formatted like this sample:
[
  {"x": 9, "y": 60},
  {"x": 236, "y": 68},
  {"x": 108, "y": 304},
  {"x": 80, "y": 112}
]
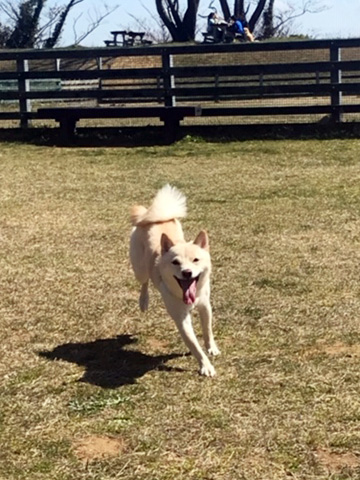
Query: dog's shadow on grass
[{"x": 107, "y": 363}]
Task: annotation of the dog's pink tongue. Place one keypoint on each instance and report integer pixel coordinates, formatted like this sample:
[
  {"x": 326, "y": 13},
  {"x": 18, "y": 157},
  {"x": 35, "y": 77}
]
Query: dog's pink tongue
[{"x": 189, "y": 295}]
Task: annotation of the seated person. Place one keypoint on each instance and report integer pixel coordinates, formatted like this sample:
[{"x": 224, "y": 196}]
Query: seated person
[
  {"x": 216, "y": 26},
  {"x": 239, "y": 26}
]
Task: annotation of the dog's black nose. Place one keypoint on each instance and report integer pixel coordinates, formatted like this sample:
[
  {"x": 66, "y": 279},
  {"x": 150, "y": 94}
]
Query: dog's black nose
[{"x": 186, "y": 273}]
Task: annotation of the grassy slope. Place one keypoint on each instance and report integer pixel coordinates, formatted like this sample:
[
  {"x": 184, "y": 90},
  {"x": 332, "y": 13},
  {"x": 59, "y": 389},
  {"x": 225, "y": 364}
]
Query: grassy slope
[{"x": 283, "y": 218}]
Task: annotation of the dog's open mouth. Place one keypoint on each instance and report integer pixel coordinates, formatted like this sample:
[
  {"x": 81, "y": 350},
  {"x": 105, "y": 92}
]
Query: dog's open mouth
[{"x": 188, "y": 286}]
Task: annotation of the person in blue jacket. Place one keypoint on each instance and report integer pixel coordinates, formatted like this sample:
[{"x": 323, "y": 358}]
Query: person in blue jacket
[
  {"x": 240, "y": 27},
  {"x": 236, "y": 26}
]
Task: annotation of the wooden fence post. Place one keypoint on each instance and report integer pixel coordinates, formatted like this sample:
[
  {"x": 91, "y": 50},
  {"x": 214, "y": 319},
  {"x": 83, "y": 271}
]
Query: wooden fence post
[
  {"x": 217, "y": 82},
  {"x": 169, "y": 80},
  {"x": 22, "y": 66},
  {"x": 335, "y": 78},
  {"x": 99, "y": 64},
  {"x": 261, "y": 83},
  {"x": 158, "y": 87}
]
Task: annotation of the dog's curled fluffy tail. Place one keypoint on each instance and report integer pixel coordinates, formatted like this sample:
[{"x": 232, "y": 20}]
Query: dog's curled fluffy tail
[{"x": 168, "y": 204}]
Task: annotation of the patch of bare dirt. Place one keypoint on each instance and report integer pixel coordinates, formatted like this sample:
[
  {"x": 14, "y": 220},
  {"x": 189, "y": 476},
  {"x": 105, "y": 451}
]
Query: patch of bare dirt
[
  {"x": 335, "y": 462},
  {"x": 337, "y": 348},
  {"x": 97, "y": 447},
  {"x": 341, "y": 349},
  {"x": 157, "y": 345}
]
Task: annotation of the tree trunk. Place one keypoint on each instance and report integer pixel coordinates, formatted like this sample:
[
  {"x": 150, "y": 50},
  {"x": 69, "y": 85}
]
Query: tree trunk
[
  {"x": 55, "y": 37},
  {"x": 181, "y": 30},
  {"x": 239, "y": 9},
  {"x": 166, "y": 20},
  {"x": 189, "y": 21},
  {"x": 27, "y": 24},
  {"x": 225, "y": 9},
  {"x": 257, "y": 14},
  {"x": 268, "y": 29}
]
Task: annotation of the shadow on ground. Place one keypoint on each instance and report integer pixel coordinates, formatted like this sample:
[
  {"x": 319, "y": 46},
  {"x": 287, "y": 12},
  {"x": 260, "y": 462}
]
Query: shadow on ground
[
  {"x": 108, "y": 363},
  {"x": 156, "y": 135}
]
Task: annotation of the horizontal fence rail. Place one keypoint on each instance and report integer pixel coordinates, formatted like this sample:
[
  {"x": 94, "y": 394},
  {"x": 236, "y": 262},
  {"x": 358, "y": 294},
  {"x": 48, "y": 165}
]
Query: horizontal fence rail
[{"x": 264, "y": 79}]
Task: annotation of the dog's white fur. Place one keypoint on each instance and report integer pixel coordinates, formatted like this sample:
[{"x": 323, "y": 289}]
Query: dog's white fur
[{"x": 180, "y": 270}]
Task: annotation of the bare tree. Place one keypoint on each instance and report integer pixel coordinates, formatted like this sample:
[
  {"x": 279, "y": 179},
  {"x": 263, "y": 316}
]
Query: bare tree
[
  {"x": 280, "y": 23},
  {"x": 263, "y": 18},
  {"x": 94, "y": 21},
  {"x": 268, "y": 29},
  {"x": 27, "y": 19},
  {"x": 5, "y": 33},
  {"x": 182, "y": 27},
  {"x": 32, "y": 25},
  {"x": 261, "y": 15},
  {"x": 55, "y": 36},
  {"x": 152, "y": 26}
]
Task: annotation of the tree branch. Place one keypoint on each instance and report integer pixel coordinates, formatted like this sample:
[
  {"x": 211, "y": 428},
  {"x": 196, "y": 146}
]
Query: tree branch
[{"x": 94, "y": 24}]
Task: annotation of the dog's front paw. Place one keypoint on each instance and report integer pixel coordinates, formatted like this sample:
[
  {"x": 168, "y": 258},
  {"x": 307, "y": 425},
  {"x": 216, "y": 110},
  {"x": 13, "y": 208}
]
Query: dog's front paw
[
  {"x": 144, "y": 298},
  {"x": 144, "y": 303},
  {"x": 213, "y": 350},
  {"x": 207, "y": 370}
]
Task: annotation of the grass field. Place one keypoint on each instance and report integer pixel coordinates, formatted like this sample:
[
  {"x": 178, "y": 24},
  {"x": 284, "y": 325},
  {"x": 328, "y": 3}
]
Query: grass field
[{"x": 92, "y": 389}]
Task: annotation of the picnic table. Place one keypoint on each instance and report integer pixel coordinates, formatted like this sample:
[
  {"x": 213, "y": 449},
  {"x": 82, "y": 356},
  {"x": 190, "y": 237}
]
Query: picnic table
[{"x": 127, "y": 38}]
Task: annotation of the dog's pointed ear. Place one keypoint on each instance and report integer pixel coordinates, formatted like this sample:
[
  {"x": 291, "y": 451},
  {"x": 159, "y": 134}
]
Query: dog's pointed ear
[
  {"x": 165, "y": 243},
  {"x": 202, "y": 240}
]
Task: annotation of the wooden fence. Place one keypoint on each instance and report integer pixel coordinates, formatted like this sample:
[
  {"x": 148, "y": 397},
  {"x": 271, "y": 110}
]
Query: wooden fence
[{"x": 236, "y": 82}]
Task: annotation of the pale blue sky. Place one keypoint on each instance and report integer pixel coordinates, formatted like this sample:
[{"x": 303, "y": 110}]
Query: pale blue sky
[{"x": 339, "y": 20}]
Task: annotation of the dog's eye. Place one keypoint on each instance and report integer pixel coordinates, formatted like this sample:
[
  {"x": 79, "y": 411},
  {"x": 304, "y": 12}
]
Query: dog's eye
[
  {"x": 195, "y": 260},
  {"x": 175, "y": 262}
]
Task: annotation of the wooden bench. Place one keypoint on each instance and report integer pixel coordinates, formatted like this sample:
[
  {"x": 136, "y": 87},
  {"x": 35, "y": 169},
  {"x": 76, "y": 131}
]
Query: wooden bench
[
  {"x": 228, "y": 38},
  {"x": 208, "y": 37},
  {"x": 137, "y": 38},
  {"x": 123, "y": 34},
  {"x": 110, "y": 43},
  {"x": 128, "y": 39},
  {"x": 69, "y": 116}
]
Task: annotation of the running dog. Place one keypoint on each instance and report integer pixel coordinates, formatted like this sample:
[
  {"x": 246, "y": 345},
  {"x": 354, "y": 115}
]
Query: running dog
[{"x": 180, "y": 270}]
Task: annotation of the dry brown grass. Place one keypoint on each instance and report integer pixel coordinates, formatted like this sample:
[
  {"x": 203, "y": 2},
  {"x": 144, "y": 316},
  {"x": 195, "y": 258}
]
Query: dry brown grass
[{"x": 92, "y": 389}]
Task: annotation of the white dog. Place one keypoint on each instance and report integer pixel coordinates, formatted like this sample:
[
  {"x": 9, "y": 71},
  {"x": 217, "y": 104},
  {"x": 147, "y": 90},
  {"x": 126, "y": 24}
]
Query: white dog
[{"x": 180, "y": 270}]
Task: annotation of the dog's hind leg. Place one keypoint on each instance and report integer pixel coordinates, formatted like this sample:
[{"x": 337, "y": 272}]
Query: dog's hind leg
[
  {"x": 140, "y": 266},
  {"x": 144, "y": 297}
]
